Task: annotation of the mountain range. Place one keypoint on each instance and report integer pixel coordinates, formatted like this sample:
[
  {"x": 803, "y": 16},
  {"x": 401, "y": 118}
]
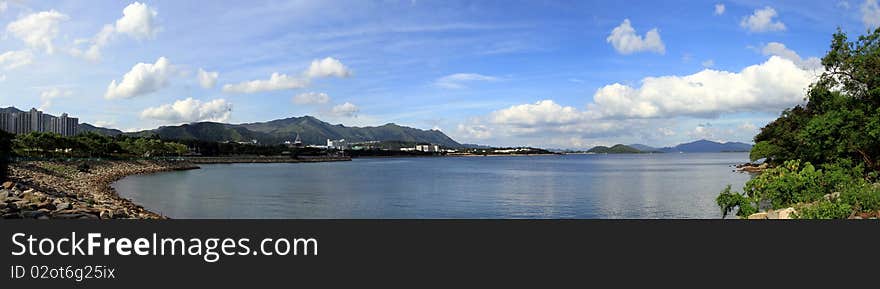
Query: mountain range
[{"x": 700, "y": 146}]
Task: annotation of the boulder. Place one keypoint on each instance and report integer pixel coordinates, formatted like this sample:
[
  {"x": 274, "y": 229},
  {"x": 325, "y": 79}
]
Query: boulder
[
  {"x": 783, "y": 214},
  {"x": 32, "y": 214},
  {"x": 832, "y": 196},
  {"x": 8, "y": 185},
  {"x": 758, "y": 216},
  {"x": 62, "y": 206}
]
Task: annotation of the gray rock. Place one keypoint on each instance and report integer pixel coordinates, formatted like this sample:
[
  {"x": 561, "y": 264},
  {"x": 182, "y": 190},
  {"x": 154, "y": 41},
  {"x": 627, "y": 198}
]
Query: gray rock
[
  {"x": 62, "y": 206},
  {"x": 32, "y": 214}
]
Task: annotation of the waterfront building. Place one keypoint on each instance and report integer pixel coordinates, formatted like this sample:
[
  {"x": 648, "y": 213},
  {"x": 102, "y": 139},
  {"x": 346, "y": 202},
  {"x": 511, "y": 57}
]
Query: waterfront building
[
  {"x": 22, "y": 122},
  {"x": 337, "y": 144}
]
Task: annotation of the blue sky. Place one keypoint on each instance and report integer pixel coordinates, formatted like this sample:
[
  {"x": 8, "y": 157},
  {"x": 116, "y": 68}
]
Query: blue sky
[{"x": 560, "y": 74}]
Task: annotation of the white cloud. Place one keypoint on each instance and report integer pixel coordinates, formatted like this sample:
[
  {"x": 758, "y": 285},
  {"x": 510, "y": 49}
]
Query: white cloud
[
  {"x": 327, "y": 67},
  {"x": 748, "y": 126},
  {"x": 207, "y": 79},
  {"x": 311, "y": 98},
  {"x": 541, "y": 112},
  {"x": 708, "y": 63},
  {"x": 346, "y": 109},
  {"x": 762, "y": 21},
  {"x": 458, "y": 80},
  {"x": 190, "y": 110},
  {"x": 770, "y": 86},
  {"x": 97, "y": 43},
  {"x": 719, "y": 9},
  {"x": 625, "y": 40},
  {"x": 3, "y": 6},
  {"x": 47, "y": 96},
  {"x": 779, "y": 49},
  {"x": 38, "y": 30},
  {"x": 871, "y": 13},
  {"x": 15, "y": 59},
  {"x": 646, "y": 112},
  {"x": 138, "y": 21},
  {"x": 275, "y": 82},
  {"x": 143, "y": 78}
]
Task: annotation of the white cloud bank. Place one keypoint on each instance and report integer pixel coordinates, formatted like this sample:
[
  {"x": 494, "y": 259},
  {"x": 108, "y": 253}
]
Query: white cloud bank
[
  {"x": 38, "y": 30},
  {"x": 762, "y": 20},
  {"x": 47, "y": 96},
  {"x": 190, "y": 110},
  {"x": 311, "y": 98},
  {"x": 619, "y": 109},
  {"x": 142, "y": 79},
  {"x": 207, "y": 79},
  {"x": 459, "y": 80},
  {"x": 625, "y": 40},
  {"x": 326, "y": 67}
]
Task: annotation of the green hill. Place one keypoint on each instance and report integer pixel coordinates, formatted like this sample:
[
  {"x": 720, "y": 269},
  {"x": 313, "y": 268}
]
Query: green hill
[
  {"x": 616, "y": 149},
  {"x": 310, "y": 129}
]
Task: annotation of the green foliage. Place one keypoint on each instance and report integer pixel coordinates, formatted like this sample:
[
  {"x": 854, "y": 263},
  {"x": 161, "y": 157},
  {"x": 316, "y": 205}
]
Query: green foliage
[
  {"x": 729, "y": 201},
  {"x": 89, "y": 144},
  {"x": 824, "y": 210},
  {"x": 837, "y": 130}
]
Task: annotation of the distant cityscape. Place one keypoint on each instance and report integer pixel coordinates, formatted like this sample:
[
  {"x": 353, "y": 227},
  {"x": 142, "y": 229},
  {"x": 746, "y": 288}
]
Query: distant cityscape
[{"x": 23, "y": 122}]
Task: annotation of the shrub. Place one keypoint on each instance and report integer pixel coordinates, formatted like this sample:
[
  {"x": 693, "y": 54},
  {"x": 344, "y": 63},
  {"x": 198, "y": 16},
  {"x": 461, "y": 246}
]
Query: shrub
[{"x": 824, "y": 210}]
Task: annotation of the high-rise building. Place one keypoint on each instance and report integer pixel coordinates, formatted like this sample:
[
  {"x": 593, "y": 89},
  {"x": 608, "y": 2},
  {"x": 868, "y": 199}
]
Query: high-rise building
[{"x": 21, "y": 122}]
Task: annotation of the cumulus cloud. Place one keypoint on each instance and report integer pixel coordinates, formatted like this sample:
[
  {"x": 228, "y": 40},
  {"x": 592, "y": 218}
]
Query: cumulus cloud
[
  {"x": 779, "y": 49},
  {"x": 326, "y": 67},
  {"x": 138, "y": 21},
  {"x": 311, "y": 98},
  {"x": 648, "y": 110},
  {"x": 625, "y": 40},
  {"x": 762, "y": 20},
  {"x": 38, "y": 30},
  {"x": 275, "y": 82},
  {"x": 871, "y": 13},
  {"x": 458, "y": 80},
  {"x": 541, "y": 112},
  {"x": 15, "y": 59},
  {"x": 346, "y": 109},
  {"x": 47, "y": 96},
  {"x": 190, "y": 110},
  {"x": 770, "y": 86},
  {"x": 142, "y": 79},
  {"x": 719, "y": 9},
  {"x": 207, "y": 79}
]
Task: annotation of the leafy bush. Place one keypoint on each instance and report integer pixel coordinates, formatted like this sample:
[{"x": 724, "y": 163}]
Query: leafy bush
[
  {"x": 729, "y": 201},
  {"x": 824, "y": 210}
]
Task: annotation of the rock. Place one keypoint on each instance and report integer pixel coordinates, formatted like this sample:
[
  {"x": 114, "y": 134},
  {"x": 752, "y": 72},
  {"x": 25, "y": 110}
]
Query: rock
[
  {"x": 783, "y": 214},
  {"x": 832, "y": 196},
  {"x": 32, "y": 214},
  {"x": 106, "y": 214},
  {"x": 62, "y": 206},
  {"x": 8, "y": 185},
  {"x": 758, "y": 216},
  {"x": 3, "y": 195},
  {"x": 11, "y": 216}
]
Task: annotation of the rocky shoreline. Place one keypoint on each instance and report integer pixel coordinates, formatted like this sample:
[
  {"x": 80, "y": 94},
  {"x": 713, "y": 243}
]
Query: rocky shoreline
[
  {"x": 263, "y": 159},
  {"x": 76, "y": 189}
]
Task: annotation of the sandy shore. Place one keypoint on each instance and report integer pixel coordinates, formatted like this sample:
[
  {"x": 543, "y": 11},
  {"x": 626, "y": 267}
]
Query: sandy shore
[{"x": 76, "y": 190}]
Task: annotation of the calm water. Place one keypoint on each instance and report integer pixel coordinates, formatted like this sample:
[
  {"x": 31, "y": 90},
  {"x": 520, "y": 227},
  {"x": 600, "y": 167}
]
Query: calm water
[{"x": 570, "y": 186}]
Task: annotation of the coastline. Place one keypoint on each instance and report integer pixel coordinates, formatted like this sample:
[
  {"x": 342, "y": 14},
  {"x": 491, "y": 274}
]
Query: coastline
[
  {"x": 263, "y": 159},
  {"x": 76, "y": 189}
]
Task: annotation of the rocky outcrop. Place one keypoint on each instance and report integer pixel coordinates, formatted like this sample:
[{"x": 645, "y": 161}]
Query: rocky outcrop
[
  {"x": 752, "y": 168},
  {"x": 781, "y": 214},
  {"x": 75, "y": 190}
]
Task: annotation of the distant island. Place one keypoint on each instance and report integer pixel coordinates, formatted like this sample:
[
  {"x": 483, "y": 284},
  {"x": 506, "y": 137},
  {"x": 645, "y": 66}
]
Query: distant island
[{"x": 700, "y": 146}]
